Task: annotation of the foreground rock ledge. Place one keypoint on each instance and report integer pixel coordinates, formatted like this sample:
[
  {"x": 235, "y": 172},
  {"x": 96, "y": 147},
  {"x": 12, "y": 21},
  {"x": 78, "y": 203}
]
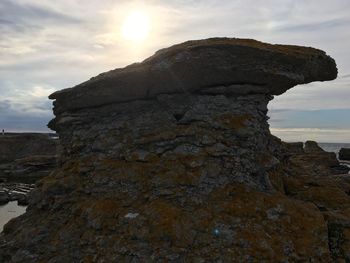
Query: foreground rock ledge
[{"x": 172, "y": 160}]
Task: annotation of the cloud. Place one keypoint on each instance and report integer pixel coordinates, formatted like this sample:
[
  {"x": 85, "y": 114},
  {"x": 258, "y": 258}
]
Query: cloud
[
  {"x": 31, "y": 102},
  {"x": 24, "y": 117},
  {"x": 322, "y": 25},
  {"x": 15, "y": 14},
  {"x": 41, "y": 92}
]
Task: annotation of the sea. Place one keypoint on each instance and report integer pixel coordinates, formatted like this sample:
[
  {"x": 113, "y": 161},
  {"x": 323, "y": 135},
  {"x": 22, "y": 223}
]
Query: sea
[{"x": 11, "y": 209}]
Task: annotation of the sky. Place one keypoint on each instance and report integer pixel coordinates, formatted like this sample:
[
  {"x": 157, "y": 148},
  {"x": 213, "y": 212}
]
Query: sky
[{"x": 49, "y": 45}]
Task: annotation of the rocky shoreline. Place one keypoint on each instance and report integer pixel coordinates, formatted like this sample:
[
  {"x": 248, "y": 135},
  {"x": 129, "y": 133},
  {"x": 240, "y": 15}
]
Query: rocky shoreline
[{"x": 15, "y": 192}]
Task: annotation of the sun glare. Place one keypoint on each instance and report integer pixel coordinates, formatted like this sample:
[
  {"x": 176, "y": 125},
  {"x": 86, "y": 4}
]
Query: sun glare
[{"x": 136, "y": 26}]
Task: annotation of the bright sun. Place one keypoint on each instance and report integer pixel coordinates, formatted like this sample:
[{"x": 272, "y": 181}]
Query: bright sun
[{"x": 136, "y": 26}]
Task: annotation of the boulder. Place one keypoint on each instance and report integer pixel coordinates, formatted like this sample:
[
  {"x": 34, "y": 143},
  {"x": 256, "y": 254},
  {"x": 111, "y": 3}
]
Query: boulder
[
  {"x": 22, "y": 200},
  {"x": 344, "y": 154},
  {"x": 294, "y": 147},
  {"x": 15, "y": 192},
  {"x": 312, "y": 147},
  {"x": 4, "y": 197},
  {"x": 172, "y": 160}
]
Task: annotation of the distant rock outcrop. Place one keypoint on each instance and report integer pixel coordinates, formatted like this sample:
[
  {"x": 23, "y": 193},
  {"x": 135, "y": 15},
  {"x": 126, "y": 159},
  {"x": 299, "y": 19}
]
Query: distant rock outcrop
[
  {"x": 312, "y": 147},
  {"x": 15, "y": 192},
  {"x": 312, "y": 160},
  {"x": 172, "y": 160},
  {"x": 344, "y": 154},
  {"x": 26, "y": 157}
]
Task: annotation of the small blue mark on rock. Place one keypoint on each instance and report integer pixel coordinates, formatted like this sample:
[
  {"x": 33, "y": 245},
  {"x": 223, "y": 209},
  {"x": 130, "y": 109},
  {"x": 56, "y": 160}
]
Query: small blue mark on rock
[{"x": 216, "y": 232}]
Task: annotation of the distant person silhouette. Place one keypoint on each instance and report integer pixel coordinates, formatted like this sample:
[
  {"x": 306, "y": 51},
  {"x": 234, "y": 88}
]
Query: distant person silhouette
[{"x": 3, "y": 132}]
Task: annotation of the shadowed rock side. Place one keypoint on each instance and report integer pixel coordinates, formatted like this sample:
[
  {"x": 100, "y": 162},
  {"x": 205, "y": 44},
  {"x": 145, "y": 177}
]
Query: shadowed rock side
[{"x": 171, "y": 160}]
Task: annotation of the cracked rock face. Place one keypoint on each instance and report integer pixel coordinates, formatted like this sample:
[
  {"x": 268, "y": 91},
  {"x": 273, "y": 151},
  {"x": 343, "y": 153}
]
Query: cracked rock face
[{"x": 171, "y": 160}]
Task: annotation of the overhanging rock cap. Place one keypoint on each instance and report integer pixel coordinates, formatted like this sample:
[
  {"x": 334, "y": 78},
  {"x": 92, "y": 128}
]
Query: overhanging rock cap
[{"x": 213, "y": 66}]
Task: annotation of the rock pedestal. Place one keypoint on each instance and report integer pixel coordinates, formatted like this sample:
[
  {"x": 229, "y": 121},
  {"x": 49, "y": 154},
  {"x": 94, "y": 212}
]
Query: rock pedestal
[{"x": 171, "y": 160}]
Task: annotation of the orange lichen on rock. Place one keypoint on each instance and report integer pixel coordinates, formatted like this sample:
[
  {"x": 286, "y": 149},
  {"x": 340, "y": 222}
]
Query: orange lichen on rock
[
  {"x": 234, "y": 121},
  {"x": 268, "y": 218}
]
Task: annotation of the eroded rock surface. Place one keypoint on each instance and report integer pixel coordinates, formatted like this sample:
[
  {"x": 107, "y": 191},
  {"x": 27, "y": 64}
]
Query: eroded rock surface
[{"x": 171, "y": 160}]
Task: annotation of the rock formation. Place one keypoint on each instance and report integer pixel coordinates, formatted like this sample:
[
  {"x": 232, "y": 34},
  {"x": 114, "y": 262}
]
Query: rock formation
[
  {"x": 312, "y": 147},
  {"x": 15, "y": 192},
  {"x": 26, "y": 157},
  {"x": 172, "y": 160},
  {"x": 311, "y": 160}
]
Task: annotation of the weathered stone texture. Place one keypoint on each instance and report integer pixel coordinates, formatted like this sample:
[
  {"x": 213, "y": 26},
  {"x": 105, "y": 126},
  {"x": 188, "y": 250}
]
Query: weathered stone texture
[{"x": 171, "y": 160}]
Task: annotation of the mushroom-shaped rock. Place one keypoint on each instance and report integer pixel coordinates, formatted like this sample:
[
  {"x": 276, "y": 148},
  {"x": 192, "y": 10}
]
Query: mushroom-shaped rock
[
  {"x": 172, "y": 160},
  {"x": 217, "y": 65}
]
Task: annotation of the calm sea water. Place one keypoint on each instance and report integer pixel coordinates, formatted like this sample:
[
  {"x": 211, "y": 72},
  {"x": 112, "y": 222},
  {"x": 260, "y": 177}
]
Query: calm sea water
[{"x": 9, "y": 211}]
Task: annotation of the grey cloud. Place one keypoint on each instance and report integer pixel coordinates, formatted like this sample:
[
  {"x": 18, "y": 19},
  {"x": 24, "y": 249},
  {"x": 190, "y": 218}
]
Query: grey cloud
[
  {"x": 18, "y": 16},
  {"x": 17, "y": 117},
  {"x": 6, "y": 22},
  {"x": 24, "y": 123},
  {"x": 45, "y": 106},
  {"x": 316, "y": 25},
  {"x": 12, "y": 12},
  {"x": 4, "y": 106}
]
